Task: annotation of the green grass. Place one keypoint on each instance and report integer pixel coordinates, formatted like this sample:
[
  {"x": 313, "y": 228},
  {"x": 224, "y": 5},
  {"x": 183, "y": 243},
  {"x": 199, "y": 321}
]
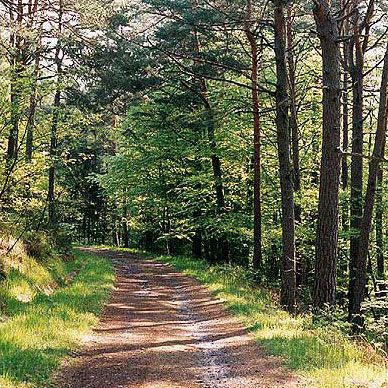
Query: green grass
[
  {"x": 324, "y": 356},
  {"x": 48, "y": 308}
]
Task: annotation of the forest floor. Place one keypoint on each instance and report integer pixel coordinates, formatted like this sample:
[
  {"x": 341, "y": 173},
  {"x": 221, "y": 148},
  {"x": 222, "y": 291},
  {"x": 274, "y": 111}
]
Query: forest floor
[{"x": 162, "y": 329}]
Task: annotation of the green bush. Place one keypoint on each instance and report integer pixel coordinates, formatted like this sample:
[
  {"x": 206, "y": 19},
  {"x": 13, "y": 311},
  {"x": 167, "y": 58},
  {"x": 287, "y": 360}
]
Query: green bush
[
  {"x": 63, "y": 241},
  {"x": 38, "y": 244}
]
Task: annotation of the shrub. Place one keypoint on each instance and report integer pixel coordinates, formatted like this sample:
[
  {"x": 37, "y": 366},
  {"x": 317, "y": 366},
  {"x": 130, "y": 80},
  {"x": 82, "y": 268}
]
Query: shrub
[
  {"x": 63, "y": 241},
  {"x": 38, "y": 244}
]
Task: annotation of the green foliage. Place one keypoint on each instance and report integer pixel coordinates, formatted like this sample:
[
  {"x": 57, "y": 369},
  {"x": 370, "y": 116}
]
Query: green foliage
[
  {"x": 38, "y": 245},
  {"x": 376, "y": 320}
]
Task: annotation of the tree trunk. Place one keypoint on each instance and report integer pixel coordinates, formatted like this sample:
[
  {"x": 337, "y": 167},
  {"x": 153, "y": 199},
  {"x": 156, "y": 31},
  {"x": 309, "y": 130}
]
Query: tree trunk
[
  {"x": 379, "y": 232},
  {"x": 125, "y": 227},
  {"x": 257, "y": 251},
  {"x": 356, "y": 72},
  {"x": 293, "y": 116},
  {"x": 32, "y": 110},
  {"x": 222, "y": 253},
  {"x": 196, "y": 248},
  {"x": 115, "y": 232},
  {"x": 300, "y": 265},
  {"x": 197, "y": 244},
  {"x": 327, "y": 225},
  {"x": 345, "y": 125},
  {"x": 206, "y": 249},
  {"x": 12, "y": 148},
  {"x": 223, "y": 244},
  {"x": 84, "y": 227},
  {"x": 285, "y": 166},
  {"x": 17, "y": 67},
  {"x": 52, "y": 214},
  {"x": 212, "y": 250},
  {"x": 360, "y": 280}
]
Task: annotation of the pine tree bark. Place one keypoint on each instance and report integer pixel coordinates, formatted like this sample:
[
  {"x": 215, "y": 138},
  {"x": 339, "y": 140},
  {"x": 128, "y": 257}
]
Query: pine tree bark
[
  {"x": 379, "y": 234},
  {"x": 17, "y": 67},
  {"x": 327, "y": 224},
  {"x": 356, "y": 65},
  {"x": 13, "y": 137},
  {"x": 288, "y": 290},
  {"x": 32, "y": 111},
  {"x": 293, "y": 116},
  {"x": 345, "y": 121},
  {"x": 32, "y": 12},
  {"x": 360, "y": 279},
  {"x": 257, "y": 231}
]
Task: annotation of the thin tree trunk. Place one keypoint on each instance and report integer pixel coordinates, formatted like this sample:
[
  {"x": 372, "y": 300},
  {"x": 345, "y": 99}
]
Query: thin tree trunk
[
  {"x": 327, "y": 225},
  {"x": 360, "y": 279},
  {"x": 15, "y": 107},
  {"x": 32, "y": 110},
  {"x": 32, "y": 11},
  {"x": 17, "y": 70},
  {"x": 288, "y": 290},
  {"x": 293, "y": 116},
  {"x": 197, "y": 244},
  {"x": 345, "y": 124},
  {"x": 356, "y": 72},
  {"x": 223, "y": 251},
  {"x": 115, "y": 230},
  {"x": 257, "y": 232},
  {"x": 300, "y": 265},
  {"x": 206, "y": 249},
  {"x": 196, "y": 248},
  {"x": 89, "y": 225},
  {"x": 212, "y": 250},
  {"x": 223, "y": 244},
  {"x": 84, "y": 228},
  {"x": 125, "y": 227},
  {"x": 379, "y": 229},
  {"x": 52, "y": 214}
]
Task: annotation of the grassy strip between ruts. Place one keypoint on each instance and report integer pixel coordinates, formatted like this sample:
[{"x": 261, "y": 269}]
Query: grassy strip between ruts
[
  {"x": 326, "y": 357},
  {"x": 40, "y": 329}
]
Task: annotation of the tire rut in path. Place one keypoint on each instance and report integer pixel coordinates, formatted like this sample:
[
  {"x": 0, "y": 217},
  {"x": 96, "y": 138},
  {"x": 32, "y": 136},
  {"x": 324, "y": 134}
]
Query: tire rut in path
[{"x": 162, "y": 329}]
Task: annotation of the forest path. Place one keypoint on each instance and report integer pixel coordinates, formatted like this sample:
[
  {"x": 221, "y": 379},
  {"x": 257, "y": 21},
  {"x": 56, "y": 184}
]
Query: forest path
[{"x": 163, "y": 329}]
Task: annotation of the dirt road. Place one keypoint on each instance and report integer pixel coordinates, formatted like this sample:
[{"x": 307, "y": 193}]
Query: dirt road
[{"x": 162, "y": 329}]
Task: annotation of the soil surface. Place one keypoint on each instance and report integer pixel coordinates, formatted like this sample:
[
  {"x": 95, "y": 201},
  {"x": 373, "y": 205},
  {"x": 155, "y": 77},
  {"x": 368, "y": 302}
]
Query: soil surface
[{"x": 162, "y": 329}]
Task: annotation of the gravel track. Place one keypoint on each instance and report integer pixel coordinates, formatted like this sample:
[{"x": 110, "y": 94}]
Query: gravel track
[{"x": 162, "y": 329}]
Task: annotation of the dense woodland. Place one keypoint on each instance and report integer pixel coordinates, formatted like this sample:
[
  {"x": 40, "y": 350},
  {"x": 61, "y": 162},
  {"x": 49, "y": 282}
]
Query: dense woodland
[{"x": 241, "y": 132}]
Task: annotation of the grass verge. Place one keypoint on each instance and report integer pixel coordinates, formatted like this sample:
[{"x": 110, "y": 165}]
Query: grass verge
[
  {"x": 323, "y": 355},
  {"x": 48, "y": 308}
]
